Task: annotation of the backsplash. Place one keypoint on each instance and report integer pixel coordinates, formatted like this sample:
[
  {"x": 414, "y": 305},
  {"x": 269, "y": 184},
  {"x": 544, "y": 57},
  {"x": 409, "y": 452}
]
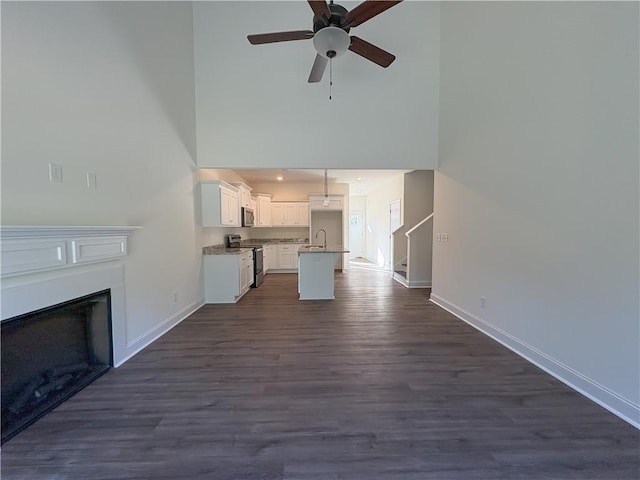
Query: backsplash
[{"x": 275, "y": 240}]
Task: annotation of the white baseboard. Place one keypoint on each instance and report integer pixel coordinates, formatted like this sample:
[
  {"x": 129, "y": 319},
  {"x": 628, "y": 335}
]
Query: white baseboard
[
  {"x": 144, "y": 340},
  {"x": 400, "y": 279},
  {"x": 411, "y": 284},
  {"x": 619, "y": 406}
]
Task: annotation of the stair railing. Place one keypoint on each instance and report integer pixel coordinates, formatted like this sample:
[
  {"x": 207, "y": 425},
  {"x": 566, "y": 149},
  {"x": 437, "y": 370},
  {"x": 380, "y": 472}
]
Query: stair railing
[{"x": 419, "y": 248}]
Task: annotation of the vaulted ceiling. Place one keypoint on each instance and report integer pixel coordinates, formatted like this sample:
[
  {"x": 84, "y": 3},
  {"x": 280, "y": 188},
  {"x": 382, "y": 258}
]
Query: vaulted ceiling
[{"x": 255, "y": 109}]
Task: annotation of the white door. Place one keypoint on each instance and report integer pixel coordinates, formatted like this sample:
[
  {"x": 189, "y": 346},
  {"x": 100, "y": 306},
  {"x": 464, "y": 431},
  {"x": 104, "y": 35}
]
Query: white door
[{"x": 356, "y": 234}]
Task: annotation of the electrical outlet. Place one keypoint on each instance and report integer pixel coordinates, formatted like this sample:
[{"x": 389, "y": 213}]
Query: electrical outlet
[
  {"x": 55, "y": 173},
  {"x": 483, "y": 302},
  {"x": 175, "y": 297}
]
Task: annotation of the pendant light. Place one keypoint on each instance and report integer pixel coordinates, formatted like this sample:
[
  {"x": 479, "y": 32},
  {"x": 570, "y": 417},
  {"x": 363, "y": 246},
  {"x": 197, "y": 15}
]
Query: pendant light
[{"x": 325, "y": 203}]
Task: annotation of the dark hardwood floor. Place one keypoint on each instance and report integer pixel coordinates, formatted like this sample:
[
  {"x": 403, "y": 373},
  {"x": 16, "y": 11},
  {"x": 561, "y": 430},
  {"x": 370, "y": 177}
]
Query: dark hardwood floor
[{"x": 377, "y": 384}]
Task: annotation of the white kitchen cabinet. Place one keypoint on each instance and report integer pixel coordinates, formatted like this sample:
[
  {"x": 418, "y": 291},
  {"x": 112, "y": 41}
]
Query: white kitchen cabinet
[
  {"x": 220, "y": 204},
  {"x": 265, "y": 259},
  {"x": 296, "y": 214},
  {"x": 316, "y": 202},
  {"x": 244, "y": 192},
  {"x": 277, "y": 214},
  {"x": 246, "y": 271},
  {"x": 263, "y": 211},
  {"x": 269, "y": 257},
  {"x": 227, "y": 277},
  {"x": 290, "y": 214},
  {"x": 303, "y": 214},
  {"x": 254, "y": 205},
  {"x": 288, "y": 256}
]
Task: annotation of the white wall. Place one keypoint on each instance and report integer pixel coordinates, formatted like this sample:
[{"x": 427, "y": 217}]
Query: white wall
[
  {"x": 107, "y": 88},
  {"x": 538, "y": 186},
  {"x": 256, "y": 109}
]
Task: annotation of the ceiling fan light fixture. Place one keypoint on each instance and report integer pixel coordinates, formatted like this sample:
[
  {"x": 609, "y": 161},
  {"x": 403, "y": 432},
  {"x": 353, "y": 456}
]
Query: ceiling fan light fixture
[{"x": 331, "y": 42}]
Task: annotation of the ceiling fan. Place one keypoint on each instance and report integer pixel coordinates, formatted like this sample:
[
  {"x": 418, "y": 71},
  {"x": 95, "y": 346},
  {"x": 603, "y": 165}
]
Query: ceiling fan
[{"x": 330, "y": 34}]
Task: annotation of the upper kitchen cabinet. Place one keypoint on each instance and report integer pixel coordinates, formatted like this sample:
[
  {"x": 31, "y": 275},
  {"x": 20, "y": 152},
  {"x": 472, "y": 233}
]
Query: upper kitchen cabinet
[
  {"x": 290, "y": 214},
  {"x": 220, "y": 204},
  {"x": 297, "y": 214},
  {"x": 244, "y": 192},
  {"x": 277, "y": 214},
  {"x": 263, "y": 210},
  {"x": 317, "y": 202}
]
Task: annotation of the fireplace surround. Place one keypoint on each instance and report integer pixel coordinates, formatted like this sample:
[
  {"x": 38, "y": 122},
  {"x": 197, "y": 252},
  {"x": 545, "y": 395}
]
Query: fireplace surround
[{"x": 46, "y": 266}]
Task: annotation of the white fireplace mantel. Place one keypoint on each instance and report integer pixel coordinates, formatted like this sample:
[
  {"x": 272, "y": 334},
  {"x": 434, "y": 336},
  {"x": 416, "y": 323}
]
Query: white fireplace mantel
[
  {"x": 48, "y": 265},
  {"x": 33, "y": 248}
]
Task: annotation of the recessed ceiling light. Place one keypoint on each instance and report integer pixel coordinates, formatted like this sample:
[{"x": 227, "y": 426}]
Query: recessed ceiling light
[
  {"x": 279, "y": 178},
  {"x": 358, "y": 178}
]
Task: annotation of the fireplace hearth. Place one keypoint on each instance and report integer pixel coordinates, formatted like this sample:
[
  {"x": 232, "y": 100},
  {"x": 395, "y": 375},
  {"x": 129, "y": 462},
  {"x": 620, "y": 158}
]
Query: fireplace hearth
[{"x": 51, "y": 354}]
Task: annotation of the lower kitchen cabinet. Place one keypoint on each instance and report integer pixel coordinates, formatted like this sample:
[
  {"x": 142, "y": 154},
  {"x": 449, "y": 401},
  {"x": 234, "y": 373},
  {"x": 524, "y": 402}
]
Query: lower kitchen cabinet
[
  {"x": 227, "y": 277},
  {"x": 270, "y": 257},
  {"x": 288, "y": 256}
]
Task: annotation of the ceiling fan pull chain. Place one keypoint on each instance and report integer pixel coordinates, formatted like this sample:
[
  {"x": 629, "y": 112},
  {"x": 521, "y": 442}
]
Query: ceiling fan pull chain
[{"x": 330, "y": 76}]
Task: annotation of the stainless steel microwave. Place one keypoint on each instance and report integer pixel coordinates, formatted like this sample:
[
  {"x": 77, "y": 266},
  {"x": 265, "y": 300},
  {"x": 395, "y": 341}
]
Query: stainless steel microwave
[{"x": 248, "y": 217}]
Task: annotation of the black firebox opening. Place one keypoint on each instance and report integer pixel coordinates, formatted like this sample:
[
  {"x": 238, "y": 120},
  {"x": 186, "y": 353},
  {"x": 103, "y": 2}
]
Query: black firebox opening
[{"x": 49, "y": 355}]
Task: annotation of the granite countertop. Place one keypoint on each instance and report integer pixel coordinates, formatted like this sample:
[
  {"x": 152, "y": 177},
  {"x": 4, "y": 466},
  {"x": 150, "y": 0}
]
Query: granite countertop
[
  {"x": 266, "y": 241},
  {"x": 327, "y": 249},
  {"x": 222, "y": 250}
]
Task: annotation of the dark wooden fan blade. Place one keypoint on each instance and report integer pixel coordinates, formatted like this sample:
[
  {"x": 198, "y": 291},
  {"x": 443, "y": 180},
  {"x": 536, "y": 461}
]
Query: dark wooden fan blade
[
  {"x": 371, "y": 52},
  {"x": 366, "y": 11},
  {"x": 320, "y": 7},
  {"x": 279, "y": 37},
  {"x": 318, "y": 68}
]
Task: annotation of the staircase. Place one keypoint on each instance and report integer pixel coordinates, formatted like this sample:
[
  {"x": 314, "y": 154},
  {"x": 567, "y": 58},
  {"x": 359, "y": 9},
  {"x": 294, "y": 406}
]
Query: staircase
[
  {"x": 400, "y": 270},
  {"x": 413, "y": 241},
  {"x": 414, "y": 270}
]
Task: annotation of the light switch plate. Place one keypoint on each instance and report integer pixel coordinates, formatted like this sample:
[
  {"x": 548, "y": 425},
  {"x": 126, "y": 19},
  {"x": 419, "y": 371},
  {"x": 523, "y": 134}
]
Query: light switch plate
[
  {"x": 55, "y": 173},
  {"x": 445, "y": 237},
  {"x": 92, "y": 180},
  {"x": 438, "y": 237}
]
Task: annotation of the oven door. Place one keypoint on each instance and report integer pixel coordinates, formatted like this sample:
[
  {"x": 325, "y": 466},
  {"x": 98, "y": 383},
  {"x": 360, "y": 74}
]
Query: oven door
[{"x": 258, "y": 266}]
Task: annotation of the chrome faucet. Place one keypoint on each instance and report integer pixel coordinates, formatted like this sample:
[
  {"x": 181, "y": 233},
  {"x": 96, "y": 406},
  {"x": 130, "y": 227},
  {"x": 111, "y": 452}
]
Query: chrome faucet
[{"x": 325, "y": 236}]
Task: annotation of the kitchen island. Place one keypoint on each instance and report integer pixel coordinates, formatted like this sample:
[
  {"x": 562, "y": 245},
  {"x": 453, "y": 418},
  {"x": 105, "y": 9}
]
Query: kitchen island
[{"x": 316, "y": 270}]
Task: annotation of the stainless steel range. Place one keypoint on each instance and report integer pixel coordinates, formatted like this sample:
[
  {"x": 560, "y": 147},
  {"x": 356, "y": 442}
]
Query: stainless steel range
[{"x": 234, "y": 241}]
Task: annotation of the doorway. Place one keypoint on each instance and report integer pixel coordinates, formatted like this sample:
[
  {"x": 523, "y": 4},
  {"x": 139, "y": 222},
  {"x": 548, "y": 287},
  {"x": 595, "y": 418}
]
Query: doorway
[{"x": 356, "y": 234}]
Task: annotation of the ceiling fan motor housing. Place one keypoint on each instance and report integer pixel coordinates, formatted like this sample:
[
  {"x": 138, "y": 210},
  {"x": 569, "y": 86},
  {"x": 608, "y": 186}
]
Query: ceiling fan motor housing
[{"x": 337, "y": 18}]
